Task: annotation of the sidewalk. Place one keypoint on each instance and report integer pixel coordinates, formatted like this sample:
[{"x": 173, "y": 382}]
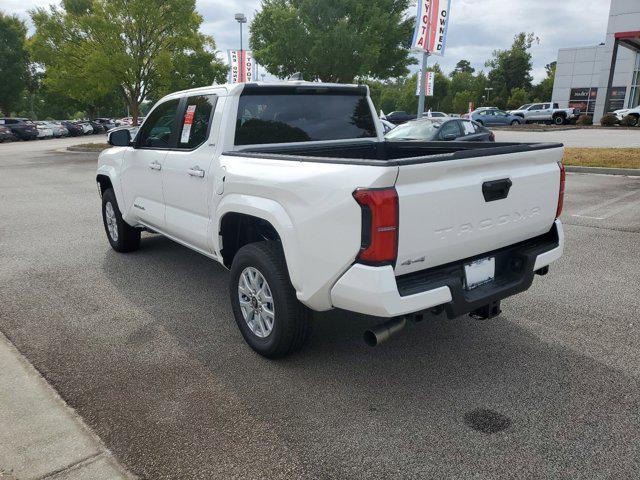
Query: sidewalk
[{"x": 40, "y": 436}]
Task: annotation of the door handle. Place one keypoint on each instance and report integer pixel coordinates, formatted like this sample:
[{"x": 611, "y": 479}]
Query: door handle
[
  {"x": 196, "y": 172},
  {"x": 155, "y": 165}
]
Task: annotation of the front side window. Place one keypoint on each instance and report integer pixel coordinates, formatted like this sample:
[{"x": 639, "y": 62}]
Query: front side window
[
  {"x": 157, "y": 130},
  {"x": 302, "y": 117},
  {"x": 196, "y": 121},
  {"x": 450, "y": 129}
]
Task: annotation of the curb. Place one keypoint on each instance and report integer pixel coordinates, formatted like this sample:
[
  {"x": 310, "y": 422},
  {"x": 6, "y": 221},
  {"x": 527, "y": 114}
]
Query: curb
[
  {"x": 629, "y": 172},
  {"x": 42, "y": 437}
]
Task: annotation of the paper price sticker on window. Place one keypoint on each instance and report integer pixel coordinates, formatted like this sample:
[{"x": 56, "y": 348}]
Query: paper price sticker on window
[{"x": 188, "y": 121}]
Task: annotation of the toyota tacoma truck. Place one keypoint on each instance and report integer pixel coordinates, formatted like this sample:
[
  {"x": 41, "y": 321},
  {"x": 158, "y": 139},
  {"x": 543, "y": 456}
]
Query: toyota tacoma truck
[
  {"x": 546, "y": 112},
  {"x": 292, "y": 187}
]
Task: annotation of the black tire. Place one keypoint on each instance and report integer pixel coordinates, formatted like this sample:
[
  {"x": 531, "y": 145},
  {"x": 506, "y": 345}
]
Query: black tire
[
  {"x": 559, "y": 120},
  {"x": 291, "y": 321},
  {"x": 636, "y": 121},
  {"x": 126, "y": 238},
  {"x": 515, "y": 122}
]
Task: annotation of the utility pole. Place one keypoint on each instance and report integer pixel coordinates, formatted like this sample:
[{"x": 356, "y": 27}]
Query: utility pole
[{"x": 423, "y": 82}]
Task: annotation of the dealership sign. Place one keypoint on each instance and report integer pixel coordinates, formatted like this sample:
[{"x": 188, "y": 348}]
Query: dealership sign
[
  {"x": 429, "y": 83},
  {"x": 241, "y": 66},
  {"x": 432, "y": 22}
]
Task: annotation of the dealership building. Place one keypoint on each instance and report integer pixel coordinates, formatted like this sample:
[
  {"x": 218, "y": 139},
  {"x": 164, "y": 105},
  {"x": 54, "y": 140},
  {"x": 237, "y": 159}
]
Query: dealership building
[{"x": 606, "y": 77}]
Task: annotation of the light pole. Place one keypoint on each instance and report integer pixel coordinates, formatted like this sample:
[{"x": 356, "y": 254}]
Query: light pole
[
  {"x": 488, "y": 90},
  {"x": 241, "y": 18}
]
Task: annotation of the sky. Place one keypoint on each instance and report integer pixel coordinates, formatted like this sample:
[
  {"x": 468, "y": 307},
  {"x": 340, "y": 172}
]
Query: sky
[{"x": 477, "y": 27}]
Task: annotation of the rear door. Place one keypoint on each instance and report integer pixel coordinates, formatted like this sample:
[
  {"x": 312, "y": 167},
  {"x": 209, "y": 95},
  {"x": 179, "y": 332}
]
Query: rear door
[
  {"x": 472, "y": 132},
  {"x": 446, "y": 217},
  {"x": 188, "y": 170}
]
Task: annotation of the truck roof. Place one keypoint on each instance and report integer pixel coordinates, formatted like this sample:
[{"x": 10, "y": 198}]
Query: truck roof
[{"x": 236, "y": 88}]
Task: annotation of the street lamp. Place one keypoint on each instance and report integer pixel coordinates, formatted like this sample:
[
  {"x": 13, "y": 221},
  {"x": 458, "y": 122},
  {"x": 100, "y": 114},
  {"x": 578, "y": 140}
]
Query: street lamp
[
  {"x": 240, "y": 18},
  {"x": 488, "y": 90}
]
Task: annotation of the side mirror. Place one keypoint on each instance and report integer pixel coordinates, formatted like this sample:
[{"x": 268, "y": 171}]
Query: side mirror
[{"x": 119, "y": 138}]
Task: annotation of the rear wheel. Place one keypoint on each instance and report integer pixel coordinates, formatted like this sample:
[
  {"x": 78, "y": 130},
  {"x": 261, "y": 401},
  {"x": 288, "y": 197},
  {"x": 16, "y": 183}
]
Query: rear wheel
[
  {"x": 122, "y": 236},
  {"x": 559, "y": 120},
  {"x": 515, "y": 122},
  {"x": 634, "y": 120},
  {"x": 271, "y": 319}
]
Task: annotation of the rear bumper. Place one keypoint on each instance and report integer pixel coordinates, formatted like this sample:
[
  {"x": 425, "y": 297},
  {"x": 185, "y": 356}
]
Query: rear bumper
[{"x": 377, "y": 291}]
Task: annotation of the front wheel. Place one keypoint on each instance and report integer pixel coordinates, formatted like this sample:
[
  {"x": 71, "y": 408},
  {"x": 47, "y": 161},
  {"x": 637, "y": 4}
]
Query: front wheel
[
  {"x": 271, "y": 319},
  {"x": 122, "y": 236},
  {"x": 515, "y": 122},
  {"x": 559, "y": 120}
]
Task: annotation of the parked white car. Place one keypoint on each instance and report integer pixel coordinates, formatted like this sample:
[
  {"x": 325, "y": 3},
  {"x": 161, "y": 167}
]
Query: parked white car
[
  {"x": 634, "y": 113},
  {"x": 293, "y": 188},
  {"x": 44, "y": 131}
]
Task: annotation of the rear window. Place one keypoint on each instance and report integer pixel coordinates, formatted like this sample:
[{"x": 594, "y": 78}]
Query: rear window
[{"x": 289, "y": 116}]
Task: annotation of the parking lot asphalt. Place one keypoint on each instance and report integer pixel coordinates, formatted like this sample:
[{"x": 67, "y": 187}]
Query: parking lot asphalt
[
  {"x": 145, "y": 348},
  {"x": 587, "y": 137}
]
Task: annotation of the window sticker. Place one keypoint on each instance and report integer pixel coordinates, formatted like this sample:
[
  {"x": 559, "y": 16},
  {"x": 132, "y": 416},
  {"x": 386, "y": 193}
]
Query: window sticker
[
  {"x": 468, "y": 128},
  {"x": 188, "y": 121}
]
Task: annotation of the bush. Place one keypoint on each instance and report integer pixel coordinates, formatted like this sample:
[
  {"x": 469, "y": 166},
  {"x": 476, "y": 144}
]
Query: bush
[
  {"x": 609, "y": 120},
  {"x": 584, "y": 120},
  {"x": 629, "y": 121}
]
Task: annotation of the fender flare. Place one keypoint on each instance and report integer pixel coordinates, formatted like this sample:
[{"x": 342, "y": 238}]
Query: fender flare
[
  {"x": 110, "y": 172},
  {"x": 272, "y": 212}
]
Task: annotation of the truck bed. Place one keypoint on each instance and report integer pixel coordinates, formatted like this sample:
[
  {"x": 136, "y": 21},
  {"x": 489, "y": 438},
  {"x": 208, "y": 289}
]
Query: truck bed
[{"x": 387, "y": 153}]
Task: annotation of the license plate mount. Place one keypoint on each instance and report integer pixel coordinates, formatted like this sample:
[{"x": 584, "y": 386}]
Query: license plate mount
[{"x": 479, "y": 272}]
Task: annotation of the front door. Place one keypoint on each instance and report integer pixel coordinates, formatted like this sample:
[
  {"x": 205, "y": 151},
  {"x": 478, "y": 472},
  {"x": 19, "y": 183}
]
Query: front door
[
  {"x": 188, "y": 173},
  {"x": 142, "y": 168}
]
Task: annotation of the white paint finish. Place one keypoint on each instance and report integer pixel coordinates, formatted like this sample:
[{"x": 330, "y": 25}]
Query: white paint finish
[
  {"x": 444, "y": 216},
  {"x": 551, "y": 256},
  {"x": 141, "y": 183},
  {"x": 373, "y": 291}
]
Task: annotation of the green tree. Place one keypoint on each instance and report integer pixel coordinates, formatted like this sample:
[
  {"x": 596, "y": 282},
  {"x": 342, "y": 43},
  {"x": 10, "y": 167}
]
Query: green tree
[
  {"x": 542, "y": 92},
  {"x": 14, "y": 62},
  {"x": 138, "y": 48},
  {"x": 463, "y": 66},
  {"x": 511, "y": 68},
  {"x": 519, "y": 97},
  {"x": 333, "y": 40},
  {"x": 461, "y": 101}
]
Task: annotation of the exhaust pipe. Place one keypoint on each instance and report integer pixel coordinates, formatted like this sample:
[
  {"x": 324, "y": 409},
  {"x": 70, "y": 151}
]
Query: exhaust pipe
[{"x": 384, "y": 331}]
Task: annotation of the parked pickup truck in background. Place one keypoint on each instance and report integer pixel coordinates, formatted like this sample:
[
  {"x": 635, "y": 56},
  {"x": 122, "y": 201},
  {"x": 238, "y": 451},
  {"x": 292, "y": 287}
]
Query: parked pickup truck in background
[
  {"x": 546, "y": 112},
  {"x": 293, "y": 188},
  {"x": 632, "y": 113}
]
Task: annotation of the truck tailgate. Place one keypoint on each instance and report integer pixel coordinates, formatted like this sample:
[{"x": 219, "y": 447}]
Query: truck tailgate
[{"x": 446, "y": 215}]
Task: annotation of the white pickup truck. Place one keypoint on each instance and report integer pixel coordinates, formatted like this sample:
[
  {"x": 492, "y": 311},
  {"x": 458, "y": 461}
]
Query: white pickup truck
[
  {"x": 546, "y": 112},
  {"x": 293, "y": 188}
]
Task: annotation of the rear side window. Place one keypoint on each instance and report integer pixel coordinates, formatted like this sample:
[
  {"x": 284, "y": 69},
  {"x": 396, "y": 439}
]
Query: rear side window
[
  {"x": 468, "y": 127},
  {"x": 157, "y": 130},
  {"x": 196, "y": 121},
  {"x": 302, "y": 117}
]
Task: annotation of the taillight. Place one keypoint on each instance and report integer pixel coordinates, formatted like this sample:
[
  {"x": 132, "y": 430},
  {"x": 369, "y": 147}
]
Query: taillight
[
  {"x": 561, "y": 191},
  {"x": 379, "y": 240},
  {"x": 492, "y": 136}
]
